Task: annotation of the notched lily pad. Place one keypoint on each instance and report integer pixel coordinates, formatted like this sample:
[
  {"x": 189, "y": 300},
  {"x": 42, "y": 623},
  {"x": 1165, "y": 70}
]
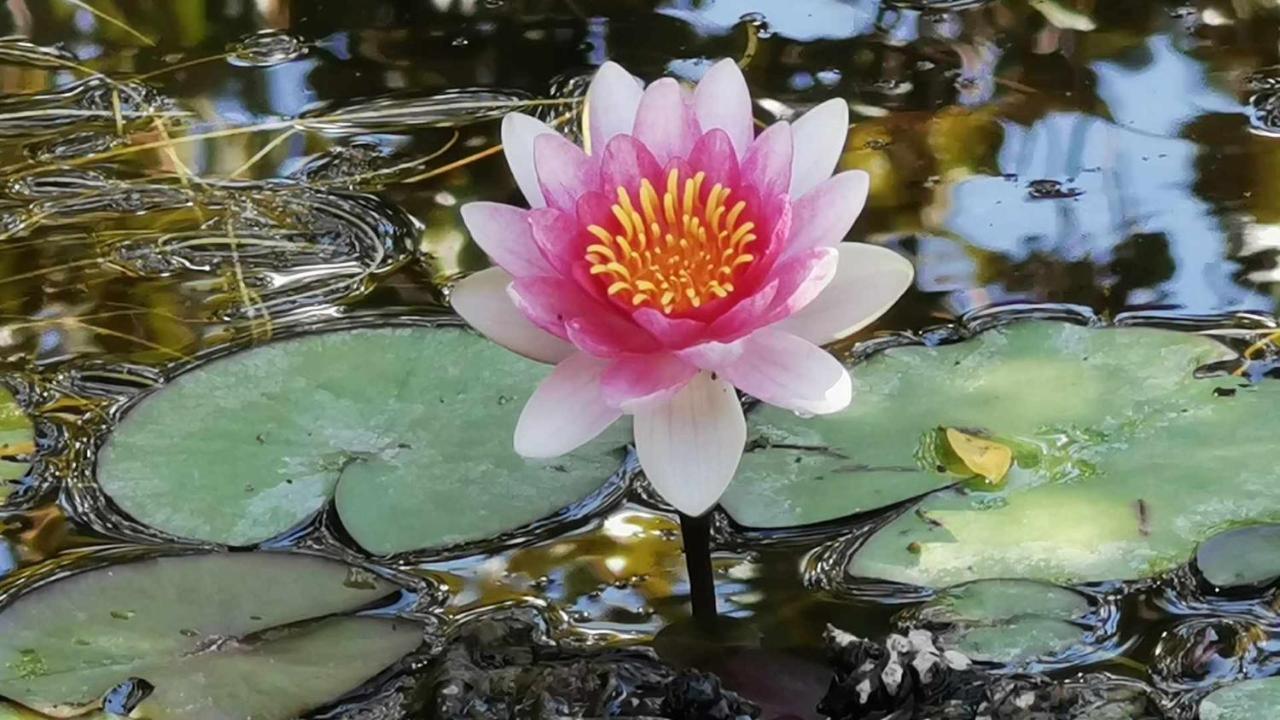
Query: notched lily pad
[
  {"x": 216, "y": 636},
  {"x": 410, "y": 428},
  {"x": 1005, "y": 621},
  {"x": 1135, "y": 459}
]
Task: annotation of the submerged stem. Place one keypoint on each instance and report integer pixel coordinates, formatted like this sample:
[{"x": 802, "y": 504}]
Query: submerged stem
[{"x": 696, "y": 533}]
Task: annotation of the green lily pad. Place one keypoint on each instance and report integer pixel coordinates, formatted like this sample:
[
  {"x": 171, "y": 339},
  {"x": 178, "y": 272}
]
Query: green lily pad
[
  {"x": 217, "y": 635},
  {"x": 411, "y": 428},
  {"x": 1005, "y": 621},
  {"x": 17, "y": 442},
  {"x": 1243, "y": 557},
  {"x": 1038, "y": 387},
  {"x": 1125, "y": 460},
  {"x": 1248, "y": 700}
]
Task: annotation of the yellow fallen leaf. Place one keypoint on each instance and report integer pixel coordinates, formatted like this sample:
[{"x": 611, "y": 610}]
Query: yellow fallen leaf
[{"x": 986, "y": 458}]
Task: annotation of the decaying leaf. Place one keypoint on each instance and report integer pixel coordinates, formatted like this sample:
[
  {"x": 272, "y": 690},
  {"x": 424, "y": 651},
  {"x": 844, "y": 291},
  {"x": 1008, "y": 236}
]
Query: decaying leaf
[{"x": 986, "y": 458}]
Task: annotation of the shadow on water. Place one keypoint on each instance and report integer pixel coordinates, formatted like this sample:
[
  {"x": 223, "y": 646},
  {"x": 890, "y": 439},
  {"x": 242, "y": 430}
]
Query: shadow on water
[{"x": 179, "y": 178}]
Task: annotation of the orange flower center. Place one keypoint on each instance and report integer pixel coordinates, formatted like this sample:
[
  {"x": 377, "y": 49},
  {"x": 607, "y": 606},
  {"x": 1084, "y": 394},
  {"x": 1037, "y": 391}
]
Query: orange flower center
[{"x": 673, "y": 251}]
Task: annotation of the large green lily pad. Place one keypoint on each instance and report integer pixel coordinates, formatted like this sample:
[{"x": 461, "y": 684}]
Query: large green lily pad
[
  {"x": 411, "y": 428},
  {"x": 1125, "y": 460},
  {"x": 218, "y": 636},
  {"x": 1044, "y": 383},
  {"x": 1245, "y": 557},
  {"x": 1248, "y": 700}
]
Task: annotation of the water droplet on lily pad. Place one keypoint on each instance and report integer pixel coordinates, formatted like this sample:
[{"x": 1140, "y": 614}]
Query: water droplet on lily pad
[
  {"x": 400, "y": 426},
  {"x": 62, "y": 647}
]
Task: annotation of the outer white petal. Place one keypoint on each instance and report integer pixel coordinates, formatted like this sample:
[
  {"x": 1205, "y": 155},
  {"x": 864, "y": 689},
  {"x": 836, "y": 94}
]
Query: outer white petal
[
  {"x": 820, "y": 135},
  {"x": 790, "y": 372},
  {"x": 612, "y": 101},
  {"x": 566, "y": 411},
  {"x": 482, "y": 300},
  {"x": 722, "y": 101},
  {"x": 518, "y": 132},
  {"x": 690, "y": 446},
  {"x": 869, "y": 280}
]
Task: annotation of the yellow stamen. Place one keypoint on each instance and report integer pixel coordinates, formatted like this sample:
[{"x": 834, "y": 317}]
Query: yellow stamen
[{"x": 675, "y": 250}]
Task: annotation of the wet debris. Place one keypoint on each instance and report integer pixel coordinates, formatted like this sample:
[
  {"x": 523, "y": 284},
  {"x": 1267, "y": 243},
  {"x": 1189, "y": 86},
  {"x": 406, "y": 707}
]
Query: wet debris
[
  {"x": 911, "y": 678},
  {"x": 503, "y": 668},
  {"x": 1047, "y": 189}
]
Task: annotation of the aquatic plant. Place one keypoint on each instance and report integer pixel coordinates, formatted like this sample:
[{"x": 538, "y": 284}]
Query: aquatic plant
[{"x": 675, "y": 257}]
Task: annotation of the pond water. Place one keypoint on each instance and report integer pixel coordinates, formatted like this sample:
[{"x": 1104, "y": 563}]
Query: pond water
[{"x": 186, "y": 180}]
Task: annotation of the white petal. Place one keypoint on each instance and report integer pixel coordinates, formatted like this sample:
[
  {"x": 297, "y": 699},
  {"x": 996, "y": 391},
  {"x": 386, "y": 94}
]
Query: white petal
[
  {"x": 482, "y": 300},
  {"x": 790, "y": 372},
  {"x": 518, "y": 132},
  {"x": 869, "y": 280},
  {"x": 690, "y": 447},
  {"x": 566, "y": 411},
  {"x": 722, "y": 101},
  {"x": 612, "y": 101},
  {"x": 819, "y": 137}
]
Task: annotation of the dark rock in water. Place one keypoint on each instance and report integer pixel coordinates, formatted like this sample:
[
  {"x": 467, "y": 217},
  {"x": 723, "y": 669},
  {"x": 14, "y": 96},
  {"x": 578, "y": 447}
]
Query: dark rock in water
[
  {"x": 910, "y": 678},
  {"x": 504, "y": 668}
]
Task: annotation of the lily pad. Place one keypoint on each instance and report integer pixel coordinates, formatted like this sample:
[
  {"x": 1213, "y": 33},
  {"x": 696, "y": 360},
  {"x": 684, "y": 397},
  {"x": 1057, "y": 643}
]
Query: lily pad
[
  {"x": 1245, "y": 557},
  {"x": 411, "y": 428},
  {"x": 17, "y": 442},
  {"x": 217, "y": 636},
  {"x": 1125, "y": 460},
  {"x": 1005, "y": 621},
  {"x": 1248, "y": 700},
  {"x": 1038, "y": 388}
]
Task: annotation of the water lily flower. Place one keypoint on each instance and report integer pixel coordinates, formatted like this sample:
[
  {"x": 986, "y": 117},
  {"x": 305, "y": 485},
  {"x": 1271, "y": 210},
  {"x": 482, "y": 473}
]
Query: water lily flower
[{"x": 675, "y": 257}]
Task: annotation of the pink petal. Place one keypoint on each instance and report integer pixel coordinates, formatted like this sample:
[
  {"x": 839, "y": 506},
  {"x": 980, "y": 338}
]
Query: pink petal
[
  {"x": 664, "y": 122},
  {"x": 566, "y": 411},
  {"x": 565, "y": 172},
  {"x": 745, "y": 317},
  {"x": 767, "y": 164},
  {"x": 481, "y": 299},
  {"x": 712, "y": 355},
  {"x": 624, "y": 163},
  {"x": 825, "y": 214},
  {"x": 801, "y": 279},
  {"x": 784, "y": 370},
  {"x": 612, "y": 101},
  {"x": 550, "y": 302},
  {"x": 518, "y": 133},
  {"x": 690, "y": 446},
  {"x": 819, "y": 139},
  {"x": 722, "y": 101},
  {"x": 869, "y": 280},
  {"x": 606, "y": 335},
  {"x": 637, "y": 380},
  {"x": 672, "y": 332},
  {"x": 502, "y": 231},
  {"x": 713, "y": 154},
  {"x": 557, "y": 237}
]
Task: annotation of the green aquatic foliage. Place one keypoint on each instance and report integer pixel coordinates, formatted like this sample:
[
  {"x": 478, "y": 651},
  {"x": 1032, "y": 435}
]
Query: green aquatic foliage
[
  {"x": 16, "y": 441},
  {"x": 257, "y": 635},
  {"x": 1006, "y": 621},
  {"x": 408, "y": 430},
  {"x": 1123, "y": 459},
  {"x": 1243, "y": 557},
  {"x": 1248, "y": 700},
  {"x": 1155, "y": 460}
]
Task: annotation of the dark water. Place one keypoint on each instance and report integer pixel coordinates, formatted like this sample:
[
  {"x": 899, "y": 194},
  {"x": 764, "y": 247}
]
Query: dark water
[{"x": 207, "y": 173}]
